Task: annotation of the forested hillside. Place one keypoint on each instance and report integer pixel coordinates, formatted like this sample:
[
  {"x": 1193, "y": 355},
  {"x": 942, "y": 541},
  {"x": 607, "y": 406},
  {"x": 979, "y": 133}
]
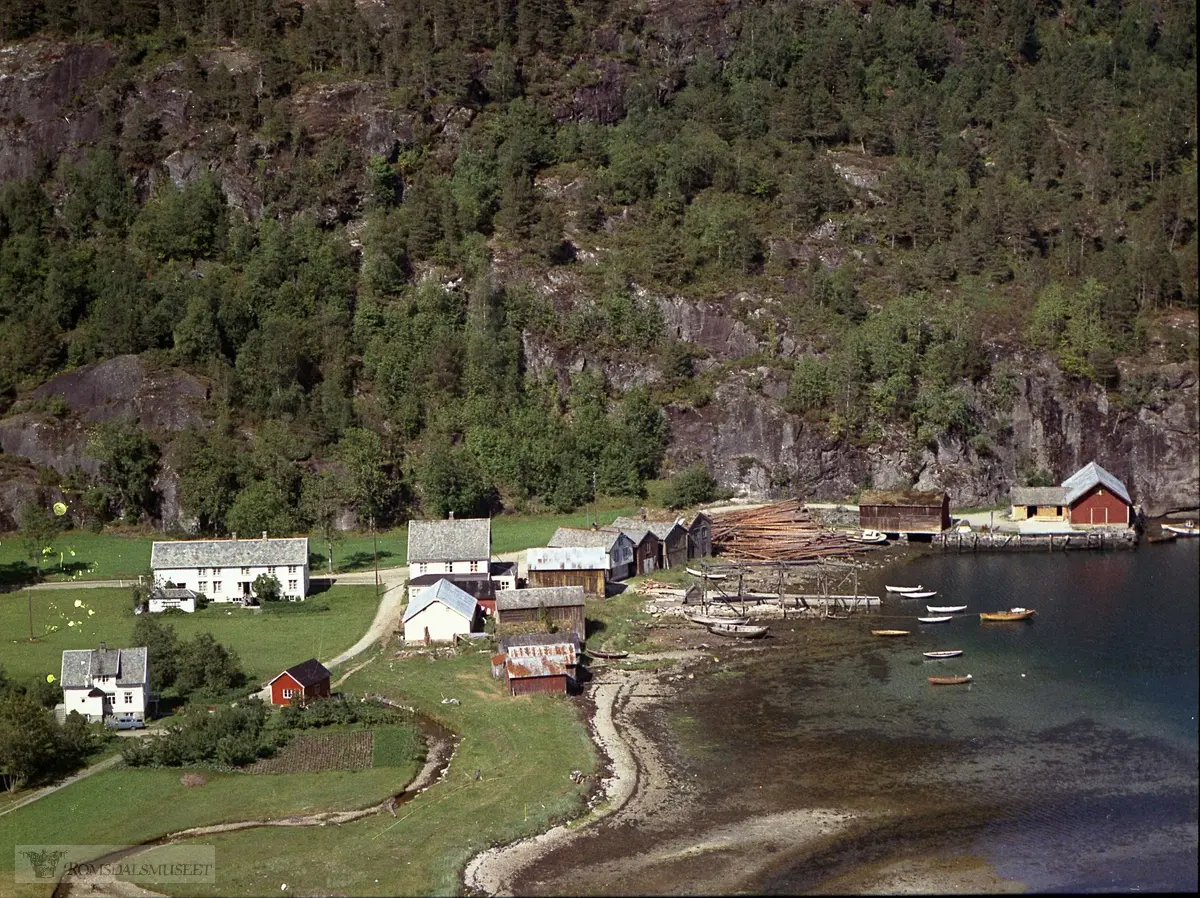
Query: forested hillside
[{"x": 446, "y": 256}]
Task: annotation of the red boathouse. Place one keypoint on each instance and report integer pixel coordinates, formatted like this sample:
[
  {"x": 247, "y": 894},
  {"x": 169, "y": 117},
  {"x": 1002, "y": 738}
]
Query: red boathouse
[{"x": 1097, "y": 498}]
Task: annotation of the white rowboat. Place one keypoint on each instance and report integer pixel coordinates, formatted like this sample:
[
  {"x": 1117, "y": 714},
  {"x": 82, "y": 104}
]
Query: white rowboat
[
  {"x": 947, "y": 653},
  {"x": 1187, "y": 528},
  {"x": 923, "y": 594},
  {"x": 945, "y": 609},
  {"x": 904, "y": 588},
  {"x": 941, "y": 618},
  {"x": 696, "y": 573}
]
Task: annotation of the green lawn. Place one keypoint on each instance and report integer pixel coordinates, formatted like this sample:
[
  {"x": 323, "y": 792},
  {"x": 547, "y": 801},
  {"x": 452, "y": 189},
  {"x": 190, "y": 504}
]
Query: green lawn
[
  {"x": 267, "y": 643},
  {"x": 126, "y": 806},
  {"x": 83, "y": 556},
  {"x": 524, "y": 750},
  {"x": 618, "y": 624}
]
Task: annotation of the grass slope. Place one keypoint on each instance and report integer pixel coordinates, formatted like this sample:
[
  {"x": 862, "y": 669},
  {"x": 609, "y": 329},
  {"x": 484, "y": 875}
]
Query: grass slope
[{"x": 267, "y": 643}]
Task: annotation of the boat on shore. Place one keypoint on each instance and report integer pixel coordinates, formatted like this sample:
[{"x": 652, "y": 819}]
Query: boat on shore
[
  {"x": 1010, "y": 614},
  {"x": 904, "y": 588},
  {"x": 936, "y": 619},
  {"x": 696, "y": 573},
  {"x": 950, "y": 681},
  {"x": 740, "y": 631},
  {"x": 707, "y": 620},
  {"x": 607, "y": 656},
  {"x": 945, "y": 609},
  {"x": 890, "y": 632},
  {"x": 870, "y": 537},
  {"x": 1187, "y": 528},
  {"x": 945, "y": 653}
]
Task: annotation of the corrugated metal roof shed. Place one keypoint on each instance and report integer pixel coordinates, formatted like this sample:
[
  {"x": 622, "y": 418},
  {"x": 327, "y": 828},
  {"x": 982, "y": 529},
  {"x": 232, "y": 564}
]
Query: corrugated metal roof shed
[
  {"x": 567, "y": 558},
  {"x": 550, "y": 596},
  {"x": 1091, "y": 475},
  {"x": 228, "y": 553},
  {"x": 448, "y": 594},
  {"x": 462, "y": 539},
  {"x": 568, "y": 537},
  {"x": 517, "y": 668}
]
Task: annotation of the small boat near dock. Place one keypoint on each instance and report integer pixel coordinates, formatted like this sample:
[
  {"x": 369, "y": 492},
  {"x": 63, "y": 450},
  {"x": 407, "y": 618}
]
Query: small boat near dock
[
  {"x": 1166, "y": 536},
  {"x": 1010, "y": 614},
  {"x": 870, "y": 537},
  {"x": 904, "y": 588},
  {"x": 740, "y": 631},
  {"x": 1187, "y": 528},
  {"x": 946, "y": 653},
  {"x": 696, "y": 573},
  {"x": 936, "y": 619},
  {"x": 708, "y": 620},
  {"x": 890, "y": 632},
  {"x": 923, "y": 594},
  {"x": 950, "y": 681},
  {"x": 607, "y": 656},
  {"x": 945, "y": 609}
]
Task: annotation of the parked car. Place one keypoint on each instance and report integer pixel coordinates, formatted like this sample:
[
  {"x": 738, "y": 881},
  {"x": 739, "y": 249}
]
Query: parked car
[{"x": 125, "y": 723}]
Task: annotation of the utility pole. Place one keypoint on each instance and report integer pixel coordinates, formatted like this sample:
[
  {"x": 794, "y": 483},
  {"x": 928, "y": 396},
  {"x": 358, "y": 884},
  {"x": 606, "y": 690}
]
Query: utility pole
[
  {"x": 595, "y": 502},
  {"x": 29, "y": 599},
  {"x": 375, "y": 554}
]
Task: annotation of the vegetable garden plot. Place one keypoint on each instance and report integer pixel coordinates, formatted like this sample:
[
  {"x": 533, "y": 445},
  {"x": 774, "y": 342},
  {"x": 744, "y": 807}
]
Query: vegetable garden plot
[{"x": 314, "y": 752}]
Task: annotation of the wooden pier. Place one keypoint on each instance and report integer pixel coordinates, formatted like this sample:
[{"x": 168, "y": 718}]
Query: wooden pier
[
  {"x": 998, "y": 541},
  {"x": 739, "y": 585}
]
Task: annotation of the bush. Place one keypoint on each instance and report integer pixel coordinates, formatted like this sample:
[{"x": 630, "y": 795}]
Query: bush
[{"x": 689, "y": 487}]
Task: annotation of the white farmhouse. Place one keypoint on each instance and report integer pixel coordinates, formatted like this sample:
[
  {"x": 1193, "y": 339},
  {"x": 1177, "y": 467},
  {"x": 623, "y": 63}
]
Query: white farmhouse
[
  {"x": 163, "y": 598},
  {"x": 225, "y": 569},
  {"x": 102, "y": 683},
  {"x": 454, "y": 546},
  {"x": 438, "y": 613}
]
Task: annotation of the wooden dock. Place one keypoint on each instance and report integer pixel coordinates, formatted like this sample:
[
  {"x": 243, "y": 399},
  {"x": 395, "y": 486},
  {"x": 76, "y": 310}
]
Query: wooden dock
[{"x": 998, "y": 541}]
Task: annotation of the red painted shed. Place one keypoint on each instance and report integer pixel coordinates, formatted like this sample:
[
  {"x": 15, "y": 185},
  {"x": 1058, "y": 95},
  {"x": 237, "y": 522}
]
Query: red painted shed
[
  {"x": 1097, "y": 498},
  {"x": 300, "y": 684}
]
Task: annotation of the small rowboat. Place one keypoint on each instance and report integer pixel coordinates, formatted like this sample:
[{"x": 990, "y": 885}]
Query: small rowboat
[
  {"x": 938, "y": 619},
  {"x": 1187, "y": 528},
  {"x": 741, "y": 631},
  {"x": 1010, "y": 614},
  {"x": 923, "y": 594},
  {"x": 904, "y": 588},
  {"x": 938, "y": 656},
  {"x": 949, "y": 681},
  {"x": 607, "y": 656},
  {"x": 871, "y": 537},
  {"x": 889, "y": 632},
  {"x": 945, "y": 609},
  {"x": 696, "y": 573},
  {"x": 709, "y": 620}
]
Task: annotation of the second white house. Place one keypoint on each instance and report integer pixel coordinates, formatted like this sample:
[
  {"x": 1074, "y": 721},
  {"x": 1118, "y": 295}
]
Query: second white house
[{"x": 225, "y": 569}]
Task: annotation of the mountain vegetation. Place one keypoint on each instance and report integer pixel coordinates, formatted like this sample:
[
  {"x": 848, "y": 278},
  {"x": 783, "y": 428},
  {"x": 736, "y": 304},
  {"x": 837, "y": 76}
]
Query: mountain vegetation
[{"x": 983, "y": 180}]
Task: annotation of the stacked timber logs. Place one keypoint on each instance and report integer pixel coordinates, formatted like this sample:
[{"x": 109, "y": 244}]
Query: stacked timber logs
[{"x": 783, "y": 531}]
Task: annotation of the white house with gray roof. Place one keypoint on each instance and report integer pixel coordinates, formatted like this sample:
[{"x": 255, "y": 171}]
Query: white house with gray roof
[
  {"x": 453, "y": 546},
  {"x": 617, "y": 546},
  {"x": 225, "y": 569},
  {"x": 438, "y": 613},
  {"x": 102, "y": 683}
]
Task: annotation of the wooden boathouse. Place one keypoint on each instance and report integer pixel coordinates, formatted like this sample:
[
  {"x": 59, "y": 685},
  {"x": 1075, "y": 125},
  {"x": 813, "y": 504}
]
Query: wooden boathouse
[{"x": 904, "y": 511}]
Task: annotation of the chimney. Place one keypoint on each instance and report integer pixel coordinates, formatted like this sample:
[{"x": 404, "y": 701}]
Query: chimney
[
  {"x": 264, "y": 534},
  {"x": 451, "y": 518},
  {"x": 103, "y": 646},
  {"x": 235, "y": 536}
]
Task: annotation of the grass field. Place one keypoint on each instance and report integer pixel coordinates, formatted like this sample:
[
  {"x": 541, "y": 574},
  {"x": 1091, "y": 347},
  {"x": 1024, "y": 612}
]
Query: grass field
[
  {"x": 618, "y": 624},
  {"x": 523, "y": 749},
  {"x": 125, "y": 806},
  {"x": 267, "y": 643}
]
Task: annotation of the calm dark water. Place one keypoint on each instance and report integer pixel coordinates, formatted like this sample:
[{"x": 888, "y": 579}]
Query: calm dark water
[{"x": 1072, "y": 755}]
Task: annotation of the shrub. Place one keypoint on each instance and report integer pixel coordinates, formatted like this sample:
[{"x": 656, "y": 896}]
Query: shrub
[{"x": 691, "y": 486}]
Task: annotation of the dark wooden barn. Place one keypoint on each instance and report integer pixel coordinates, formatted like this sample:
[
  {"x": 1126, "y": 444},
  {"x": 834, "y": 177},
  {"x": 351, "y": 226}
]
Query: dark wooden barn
[
  {"x": 699, "y": 536},
  {"x": 561, "y": 606},
  {"x": 530, "y": 675},
  {"x": 904, "y": 511},
  {"x": 585, "y": 566}
]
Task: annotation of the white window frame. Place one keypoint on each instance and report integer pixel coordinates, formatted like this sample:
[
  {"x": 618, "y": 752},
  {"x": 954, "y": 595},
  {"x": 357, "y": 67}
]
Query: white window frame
[
  {"x": 292, "y": 585},
  {"x": 289, "y": 693},
  {"x": 216, "y": 587}
]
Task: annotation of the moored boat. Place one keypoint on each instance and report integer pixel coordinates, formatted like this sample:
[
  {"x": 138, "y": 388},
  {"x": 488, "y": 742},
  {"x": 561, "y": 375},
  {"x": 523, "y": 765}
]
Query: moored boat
[
  {"x": 706, "y": 620},
  {"x": 945, "y": 609},
  {"x": 889, "y": 632},
  {"x": 904, "y": 588},
  {"x": 936, "y": 619},
  {"x": 950, "y": 681},
  {"x": 742, "y": 631},
  {"x": 696, "y": 573},
  {"x": 1010, "y": 614},
  {"x": 1187, "y": 528},
  {"x": 945, "y": 653},
  {"x": 1165, "y": 536},
  {"x": 923, "y": 594}
]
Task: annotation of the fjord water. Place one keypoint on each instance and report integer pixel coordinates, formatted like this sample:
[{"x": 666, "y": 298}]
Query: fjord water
[{"x": 1068, "y": 764}]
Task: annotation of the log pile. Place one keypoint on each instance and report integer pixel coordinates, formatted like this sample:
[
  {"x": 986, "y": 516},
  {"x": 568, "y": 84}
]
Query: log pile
[{"x": 782, "y": 531}]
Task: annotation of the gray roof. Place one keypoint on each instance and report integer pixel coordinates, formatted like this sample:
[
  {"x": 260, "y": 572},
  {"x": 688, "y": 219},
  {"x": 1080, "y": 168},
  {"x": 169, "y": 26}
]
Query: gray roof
[
  {"x": 550, "y": 596},
  {"x": 661, "y": 529},
  {"x": 448, "y": 594},
  {"x": 567, "y": 558},
  {"x": 1091, "y": 475},
  {"x": 79, "y": 666},
  {"x": 506, "y": 642},
  {"x": 465, "y": 539},
  {"x": 1038, "y": 495},
  {"x": 638, "y": 535},
  {"x": 581, "y": 537},
  {"x": 193, "y": 553}
]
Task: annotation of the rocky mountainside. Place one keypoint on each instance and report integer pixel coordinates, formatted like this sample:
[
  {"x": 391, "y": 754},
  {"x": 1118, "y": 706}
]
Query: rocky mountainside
[{"x": 832, "y": 246}]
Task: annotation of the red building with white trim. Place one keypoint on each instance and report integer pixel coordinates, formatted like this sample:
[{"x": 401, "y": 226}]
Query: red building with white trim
[
  {"x": 1096, "y": 498},
  {"x": 300, "y": 684}
]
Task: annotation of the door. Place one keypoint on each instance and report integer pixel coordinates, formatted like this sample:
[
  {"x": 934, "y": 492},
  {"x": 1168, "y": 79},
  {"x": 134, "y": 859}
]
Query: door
[{"x": 245, "y": 585}]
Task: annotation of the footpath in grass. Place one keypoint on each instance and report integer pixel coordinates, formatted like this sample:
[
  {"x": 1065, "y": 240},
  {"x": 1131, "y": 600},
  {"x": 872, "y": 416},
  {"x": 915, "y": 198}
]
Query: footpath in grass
[
  {"x": 510, "y": 777},
  {"x": 266, "y": 642}
]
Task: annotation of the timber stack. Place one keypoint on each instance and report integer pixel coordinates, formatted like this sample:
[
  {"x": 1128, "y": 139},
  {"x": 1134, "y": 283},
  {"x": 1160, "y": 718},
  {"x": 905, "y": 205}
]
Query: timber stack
[{"x": 782, "y": 531}]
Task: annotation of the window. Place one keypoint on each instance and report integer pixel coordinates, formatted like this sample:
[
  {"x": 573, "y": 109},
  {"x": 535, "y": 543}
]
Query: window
[
  {"x": 288, "y": 693},
  {"x": 291, "y": 568},
  {"x": 203, "y": 572},
  {"x": 245, "y": 572},
  {"x": 423, "y": 568},
  {"x": 291, "y": 585},
  {"x": 216, "y": 586},
  {"x": 271, "y": 570},
  {"x": 129, "y": 698},
  {"x": 216, "y": 572},
  {"x": 474, "y": 567},
  {"x": 202, "y": 586}
]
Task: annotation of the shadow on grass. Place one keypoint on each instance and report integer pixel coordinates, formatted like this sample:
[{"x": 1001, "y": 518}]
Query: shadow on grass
[
  {"x": 593, "y": 627},
  {"x": 17, "y": 574}
]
